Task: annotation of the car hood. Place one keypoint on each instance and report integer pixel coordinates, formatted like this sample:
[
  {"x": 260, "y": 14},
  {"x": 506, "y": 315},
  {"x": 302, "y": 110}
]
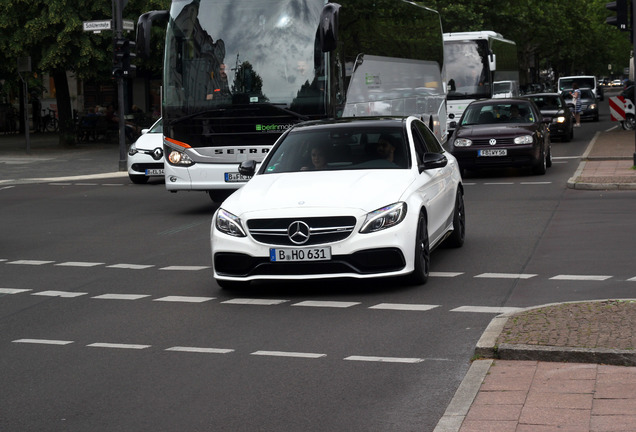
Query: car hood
[
  {"x": 149, "y": 141},
  {"x": 365, "y": 190},
  {"x": 552, "y": 113},
  {"x": 499, "y": 130}
]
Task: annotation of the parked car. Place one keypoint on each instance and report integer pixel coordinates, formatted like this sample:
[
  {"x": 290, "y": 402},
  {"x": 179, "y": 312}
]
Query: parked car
[
  {"x": 145, "y": 156},
  {"x": 589, "y": 104},
  {"x": 630, "y": 121},
  {"x": 387, "y": 195},
  {"x": 554, "y": 108},
  {"x": 496, "y": 133}
]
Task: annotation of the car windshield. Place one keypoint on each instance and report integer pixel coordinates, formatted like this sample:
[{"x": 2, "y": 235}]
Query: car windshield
[
  {"x": 585, "y": 94},
  {"x": 480, "y": 114},
  {"x": 339, "y": 148},
  {"x": 157, "y": 127},
  {"x": 547, "y": 102}
]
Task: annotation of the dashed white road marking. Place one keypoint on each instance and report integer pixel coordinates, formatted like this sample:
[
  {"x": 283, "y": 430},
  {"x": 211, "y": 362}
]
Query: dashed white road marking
[
  {"x": 333, "y": 304},
  {"x": 30, "y": 262},
  {"x": 185, "y": 268},
  {"x": 445, "y": 274},
  {"x": 536, "y": 183},
  {"x": 184, "y": 299},
  {"x": 43, "y": 341},
  {"x": 79, "y": 264},
  {"x": 65, "y": 294},
  {"x": 200, "y": 350},
  {"x": 506, "y": 275},
  {"x": 12, "y": 290},
  {"x": 404, "y": 306},
  {"x": 118, "y": 345},
  {"x": 384, "y": 359},
  {"x": 121, "y": 296},
  {"x": 485, "y": 309},
  {"x": 499, "y": 183},
  {"x": 250, "y": 301},
  {"x": 632, "y": 279},
  {"x": 581, "y": 277},
  {"x": 130, "y": 266},
  {"x": 288, "y": 354}
]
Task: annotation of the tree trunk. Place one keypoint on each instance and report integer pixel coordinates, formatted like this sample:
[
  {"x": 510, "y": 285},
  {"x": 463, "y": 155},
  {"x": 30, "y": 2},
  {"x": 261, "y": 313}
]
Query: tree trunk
[{"x": 64, "y": 110}]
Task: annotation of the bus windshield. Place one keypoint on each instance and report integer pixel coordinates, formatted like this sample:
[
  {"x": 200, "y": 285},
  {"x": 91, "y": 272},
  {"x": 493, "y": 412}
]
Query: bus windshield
[
  {"x": 467, "y": 70},
  {"x": 242, "y": 52}
]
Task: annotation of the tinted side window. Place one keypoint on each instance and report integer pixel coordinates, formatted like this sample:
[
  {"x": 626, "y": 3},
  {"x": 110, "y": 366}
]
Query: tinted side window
[{"x": 430, "y": 141}]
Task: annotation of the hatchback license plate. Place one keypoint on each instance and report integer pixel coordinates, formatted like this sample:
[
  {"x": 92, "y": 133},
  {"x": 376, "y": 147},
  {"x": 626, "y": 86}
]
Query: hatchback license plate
[
  {"x": 493, "y": 152},
  {"x": 308, "y": 254},
  {"x": 235, "y": 177}
]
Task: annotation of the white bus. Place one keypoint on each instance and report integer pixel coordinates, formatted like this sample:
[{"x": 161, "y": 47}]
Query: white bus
[
  {"x": 473, "y": 62},
  {"x": 238, "y": 73}
]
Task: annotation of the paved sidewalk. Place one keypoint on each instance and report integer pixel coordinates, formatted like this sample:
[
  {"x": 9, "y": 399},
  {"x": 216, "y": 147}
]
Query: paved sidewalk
[{"x": 558, "y": 367}]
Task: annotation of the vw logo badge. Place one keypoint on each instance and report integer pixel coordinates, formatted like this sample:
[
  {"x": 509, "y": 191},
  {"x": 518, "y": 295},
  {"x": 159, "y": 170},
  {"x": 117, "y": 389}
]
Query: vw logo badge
[
  {"x": 492, "y": 141},
  {"x": 298, "y": 232}
]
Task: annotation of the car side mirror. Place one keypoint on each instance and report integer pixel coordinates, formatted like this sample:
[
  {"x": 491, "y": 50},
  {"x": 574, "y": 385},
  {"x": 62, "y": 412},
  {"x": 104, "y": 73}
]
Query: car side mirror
[
  {"x": 433, "y": 160},
  {"x": 247, "y": 168}
]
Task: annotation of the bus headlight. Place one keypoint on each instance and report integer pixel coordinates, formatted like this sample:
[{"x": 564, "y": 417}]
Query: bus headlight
[{"x": 179, "y": 158}]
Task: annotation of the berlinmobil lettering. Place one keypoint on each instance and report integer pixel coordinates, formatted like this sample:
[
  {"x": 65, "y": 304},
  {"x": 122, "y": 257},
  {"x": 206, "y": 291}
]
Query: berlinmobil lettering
[{"x": 272, "y": 128}]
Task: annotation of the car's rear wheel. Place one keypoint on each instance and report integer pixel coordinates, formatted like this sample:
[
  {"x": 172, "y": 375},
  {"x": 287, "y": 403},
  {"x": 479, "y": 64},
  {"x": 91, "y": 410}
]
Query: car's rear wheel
[
  {"x": 456, "y": 239},
  {"x": 138, "y": 179},
  {"x": 422, "y": 261}
]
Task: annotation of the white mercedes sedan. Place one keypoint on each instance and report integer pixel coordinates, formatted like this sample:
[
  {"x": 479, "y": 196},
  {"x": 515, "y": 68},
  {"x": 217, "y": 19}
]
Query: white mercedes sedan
[{"x": 346, "y": 198}]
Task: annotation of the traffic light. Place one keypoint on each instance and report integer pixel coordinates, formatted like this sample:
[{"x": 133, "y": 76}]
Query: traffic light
[
  {"x": 123, "y": 54},
  {"x": 621, "y": 19}
]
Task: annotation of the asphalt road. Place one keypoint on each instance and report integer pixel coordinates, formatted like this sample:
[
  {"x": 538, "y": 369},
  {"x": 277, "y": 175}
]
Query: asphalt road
[{"x": 110, "y": 319}]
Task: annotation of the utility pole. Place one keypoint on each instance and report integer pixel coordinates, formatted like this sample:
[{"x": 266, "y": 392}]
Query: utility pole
[{"x": 118, "y": 7}]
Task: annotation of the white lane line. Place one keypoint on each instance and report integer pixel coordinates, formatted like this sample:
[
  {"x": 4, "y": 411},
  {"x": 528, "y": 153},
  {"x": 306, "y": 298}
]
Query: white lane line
[
  {"x": 65, "y": 294},
  {"x": 121, "y": 296},
  {"x": 258, "y": 302},
  {"x": 485, "y": 309},
  {"x": 506, "y": 275},
  {"x": 200, "y": 350},
  {"x": 565, "y": 157},
  {"x": 12, "y": 290},
  {"x": 43, "y": 341},
  {"x": 288, "y": 354},
  {"x": 536, "y": 183},
  {"x": 499, "y": 183},
  {"x": 79, "y": 264},
  {"x": 118, "y": 345},
  {"x": 445, "y": 274},
  {"x": 130, "y": 266},
  {"x": 185, "y": 268},
  {"x": 632, "y": 279},
  {"x": 404, "y": 307},
  {"x": 581, "y": 277},
  {"x": 184, "y": 299},
  {"x": 385, "y": 359},
  {"x": 333, "y": 304},
  {"x": 30, "y": 262}
]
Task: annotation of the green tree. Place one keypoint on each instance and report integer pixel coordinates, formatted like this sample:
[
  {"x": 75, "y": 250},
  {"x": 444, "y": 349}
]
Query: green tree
[{"x": 51, "y": 33}]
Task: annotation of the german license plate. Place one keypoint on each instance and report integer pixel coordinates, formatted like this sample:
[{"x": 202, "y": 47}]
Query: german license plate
[
  {"x": 236, "y": 177},
  {"x": 154, "y": 171},
  {"x": 294, "y": 254},
  {"x": 493, "y": 152}
]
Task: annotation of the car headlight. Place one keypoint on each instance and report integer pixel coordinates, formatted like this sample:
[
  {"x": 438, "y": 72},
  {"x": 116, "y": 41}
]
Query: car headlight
[
  {"x": 229, "y": 224},
  {"x": 559, "y": 119},
  {"x": 462, "y": 142},
  {"x": 524, "y": 139},
  {"x": 384, "y": 217},
  {"x": 592, "y": 106},
  {"x": 179, "y": 158},
  {"x": 132, "y": 150}
]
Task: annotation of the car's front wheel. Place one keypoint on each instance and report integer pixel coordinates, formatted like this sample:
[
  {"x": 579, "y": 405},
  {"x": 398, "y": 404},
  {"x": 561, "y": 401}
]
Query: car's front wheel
[
  {"x": 541, "y": 166},
  {"x": 422, "y": 261},
  {"x": 629, "y": 123}
]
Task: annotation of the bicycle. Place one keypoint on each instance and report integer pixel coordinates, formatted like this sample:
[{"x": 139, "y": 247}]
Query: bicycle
[{"x": 48, "y": 122}]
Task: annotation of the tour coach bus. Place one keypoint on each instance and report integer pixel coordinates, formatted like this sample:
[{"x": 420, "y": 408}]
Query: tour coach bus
[
  {"x": 238, "y": 73},
  {"x": 473, "y": 62}
]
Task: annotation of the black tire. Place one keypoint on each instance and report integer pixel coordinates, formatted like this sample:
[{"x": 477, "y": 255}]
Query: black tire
[
  {"x": 51, "y": 126},
  {"x": 629, "y": 123},
  {"x": 568, "y": 137},
  {"x": 138, "y": 179},
  {"x": 541, "y": 166},
  {"x": 456, "y": 239},
  {"x": 422, "y": 261},
  {"x": 218, "y": 196},
  {"x": 548, "y": 161}
]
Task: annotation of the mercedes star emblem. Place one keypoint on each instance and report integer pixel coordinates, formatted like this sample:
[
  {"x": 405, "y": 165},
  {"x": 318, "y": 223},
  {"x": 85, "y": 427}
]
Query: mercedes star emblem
[{"x": 298, "y": 232}]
